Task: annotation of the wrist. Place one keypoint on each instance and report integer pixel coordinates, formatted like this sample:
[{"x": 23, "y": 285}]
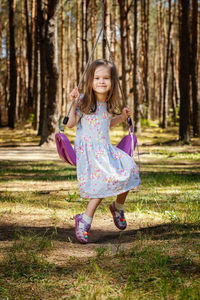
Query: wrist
[{"x": 76, "y": 101}]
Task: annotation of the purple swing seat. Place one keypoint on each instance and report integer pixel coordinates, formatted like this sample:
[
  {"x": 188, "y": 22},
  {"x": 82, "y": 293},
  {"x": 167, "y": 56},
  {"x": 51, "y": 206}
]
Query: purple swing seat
[
  {"x": 67, "y": 153},
  {"x": 65, "y": 149},
  {"x": 128, "y": 143}
]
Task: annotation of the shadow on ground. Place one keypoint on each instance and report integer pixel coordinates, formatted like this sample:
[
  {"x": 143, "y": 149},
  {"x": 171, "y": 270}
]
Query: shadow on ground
[{"x": 164, "y": 231}]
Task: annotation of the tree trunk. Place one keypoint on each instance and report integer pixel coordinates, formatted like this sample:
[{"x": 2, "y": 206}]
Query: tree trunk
[
  {"x": 0, "y": 31},
  {"x": 154, "y": 104},
  {"x": 25, "y": 74},
  {"x": 69, "y": 57},
  {"x": 29, "y": 55},
  {"x": 166, "y": 76},
  {"x": 18, "y": 82},
  {"x": 160, "y": 57},
  {"x": 1, "y": 89},
  {"x": 172, "y": 61},
  {"x": 194, "y": 72},
  {"x": 123, "y": 49},
  {"x": 184, "y": 73},
  {"x": 41, "y": 24},
  {"x": 146, "y": 82},
  {"x": 145, "y": 50},
  {"x": 51, "y": 123},
  {"x": 129, "y": 36},
  {"x": 129, "y": 40},
  {"x": 62, "y": 60},
  {"x": 36, "y": 70},
  {"x": 84, "y": 8},
  {"x": 174, "y": 92},
  {"x": 13, "y": 68},
  {"x": 94, "y": 24},
  {"x": 114, "y": 30},
  {"x": 136, "y": 72},
  {"x": 78, "y": 51},
  {"x": 105, "y": 51}
]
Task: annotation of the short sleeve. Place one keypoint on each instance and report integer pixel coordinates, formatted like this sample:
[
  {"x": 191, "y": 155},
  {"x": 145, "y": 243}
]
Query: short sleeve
[{"x": 78, "y": 111}]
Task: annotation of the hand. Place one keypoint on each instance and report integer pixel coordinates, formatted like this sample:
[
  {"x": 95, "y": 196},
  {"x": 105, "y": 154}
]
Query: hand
[
  {"x": 126, "y": 112},
  {"x": 74, "y": 94}
]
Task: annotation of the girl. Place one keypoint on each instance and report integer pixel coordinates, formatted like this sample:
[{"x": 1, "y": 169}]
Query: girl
[{"x": 102, "y": 169}]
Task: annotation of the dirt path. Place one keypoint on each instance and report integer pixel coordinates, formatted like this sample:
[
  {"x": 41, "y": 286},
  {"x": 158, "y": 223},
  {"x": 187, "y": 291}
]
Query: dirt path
[
  {"x": 39, "y": 222},
  {"x": 103, "y": 234},
  {"x": 30, "y": 153}
]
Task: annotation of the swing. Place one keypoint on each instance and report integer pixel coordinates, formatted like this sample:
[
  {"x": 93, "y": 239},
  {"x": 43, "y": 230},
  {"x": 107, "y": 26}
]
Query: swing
[
  {"x": 64, "y": 147},
  {"x": 67, "y": 153}
]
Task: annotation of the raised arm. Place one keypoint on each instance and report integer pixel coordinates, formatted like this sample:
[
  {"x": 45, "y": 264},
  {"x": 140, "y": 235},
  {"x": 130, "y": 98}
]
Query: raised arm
[
  {"x": 73, "y": 117},
  {"x": 121, "y": 118}
]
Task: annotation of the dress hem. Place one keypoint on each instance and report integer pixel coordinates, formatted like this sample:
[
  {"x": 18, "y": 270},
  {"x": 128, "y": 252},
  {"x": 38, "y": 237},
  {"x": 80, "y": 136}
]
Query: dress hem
[{"x": 112, "y": 195}]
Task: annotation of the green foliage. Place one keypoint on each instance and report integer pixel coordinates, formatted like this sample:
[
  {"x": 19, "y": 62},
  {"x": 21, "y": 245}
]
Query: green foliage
[
  {"x": 31, "y": 119},
  {"x": 148, "y": 123},
  {"x": 71, "y": 197}
]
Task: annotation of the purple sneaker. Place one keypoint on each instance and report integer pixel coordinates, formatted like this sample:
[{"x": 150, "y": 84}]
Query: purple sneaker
[
  {"x": 81, "y": 234},
  {"x": 118, "y": 217}
]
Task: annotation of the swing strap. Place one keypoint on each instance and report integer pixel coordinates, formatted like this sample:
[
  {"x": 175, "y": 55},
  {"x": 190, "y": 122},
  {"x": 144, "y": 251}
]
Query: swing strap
[
  {"x": 102, "y": 30},
  {"x": 132, "y": 134}
]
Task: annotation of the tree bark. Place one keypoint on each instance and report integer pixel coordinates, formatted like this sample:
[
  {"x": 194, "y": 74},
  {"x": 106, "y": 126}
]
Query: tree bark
[
  {"x": 24, "y": 67},
  {"x": 105, "y": 51},
  {"x": 166, "y": 75},
  {"x": 13, "y": 68},
  {"x": 69, "y": 57},
  {"x": 29, "y": 55},
  {"x": 41, "y": 24},
  {"x": 172, "y": 61},
  {"x": 145, "y": 53},
  {"x": 36, "y": 69},
  {"x": 160, "y": 57},
  {"x": 136, "y": 72},
  {"x": 51, "y": 123},
  {"x": 194, "y": 72},
  {"x": 85, "y": 53},
  {"x": 114, "y": 30},
  {"x": 154, "y": 104},
  {"x": 184, "y": 73},
  {"x": 62, "y": 60},
  {"x": 94, "y": 24},
  {"x": 78, "y": 51},
  {"x": 1, "y": 89},
  {"x": 123, "y": 49}
]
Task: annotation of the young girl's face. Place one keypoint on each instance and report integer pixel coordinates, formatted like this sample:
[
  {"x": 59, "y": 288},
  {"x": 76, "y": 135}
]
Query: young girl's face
[{"x": 101, "y": 81}]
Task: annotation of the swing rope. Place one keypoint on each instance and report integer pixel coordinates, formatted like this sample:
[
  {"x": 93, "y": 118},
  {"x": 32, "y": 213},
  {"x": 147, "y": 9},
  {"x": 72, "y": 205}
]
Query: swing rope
[
  {"x": 81, "y": 80},
  {"x": 102, "y": 30}
]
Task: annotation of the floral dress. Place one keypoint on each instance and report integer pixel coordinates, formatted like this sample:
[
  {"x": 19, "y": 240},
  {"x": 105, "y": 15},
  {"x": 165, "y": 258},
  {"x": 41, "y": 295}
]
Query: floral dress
[{"x": 103, "y": 170}]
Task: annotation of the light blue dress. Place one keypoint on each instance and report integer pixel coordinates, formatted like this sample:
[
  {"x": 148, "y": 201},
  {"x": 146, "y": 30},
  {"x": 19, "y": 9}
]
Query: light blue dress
[{"x": 103, "y": 170}]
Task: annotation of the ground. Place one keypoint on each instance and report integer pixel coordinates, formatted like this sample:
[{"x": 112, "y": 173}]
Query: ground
[{"x": 39, "y": 198}]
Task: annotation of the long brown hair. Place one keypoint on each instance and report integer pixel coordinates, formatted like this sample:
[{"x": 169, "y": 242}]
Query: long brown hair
[{"x": 88, "y": 104}]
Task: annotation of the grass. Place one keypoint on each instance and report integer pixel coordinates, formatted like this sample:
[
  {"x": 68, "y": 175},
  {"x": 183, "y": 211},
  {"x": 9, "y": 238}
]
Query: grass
[
  {"x": 148, "y": 270},
  {"x": 157, "y": 257}
]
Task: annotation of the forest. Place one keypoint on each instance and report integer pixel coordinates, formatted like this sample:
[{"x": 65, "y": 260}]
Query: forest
[
  {"x": 45, "y": 49},
  {"x": 45, "y": 46}
]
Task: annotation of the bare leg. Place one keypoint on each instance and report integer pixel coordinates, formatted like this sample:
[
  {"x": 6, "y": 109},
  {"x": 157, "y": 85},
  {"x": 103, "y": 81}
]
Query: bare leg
[
  {"x": 92, "y": 206},
  {"x": 122, "y": 197}
]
